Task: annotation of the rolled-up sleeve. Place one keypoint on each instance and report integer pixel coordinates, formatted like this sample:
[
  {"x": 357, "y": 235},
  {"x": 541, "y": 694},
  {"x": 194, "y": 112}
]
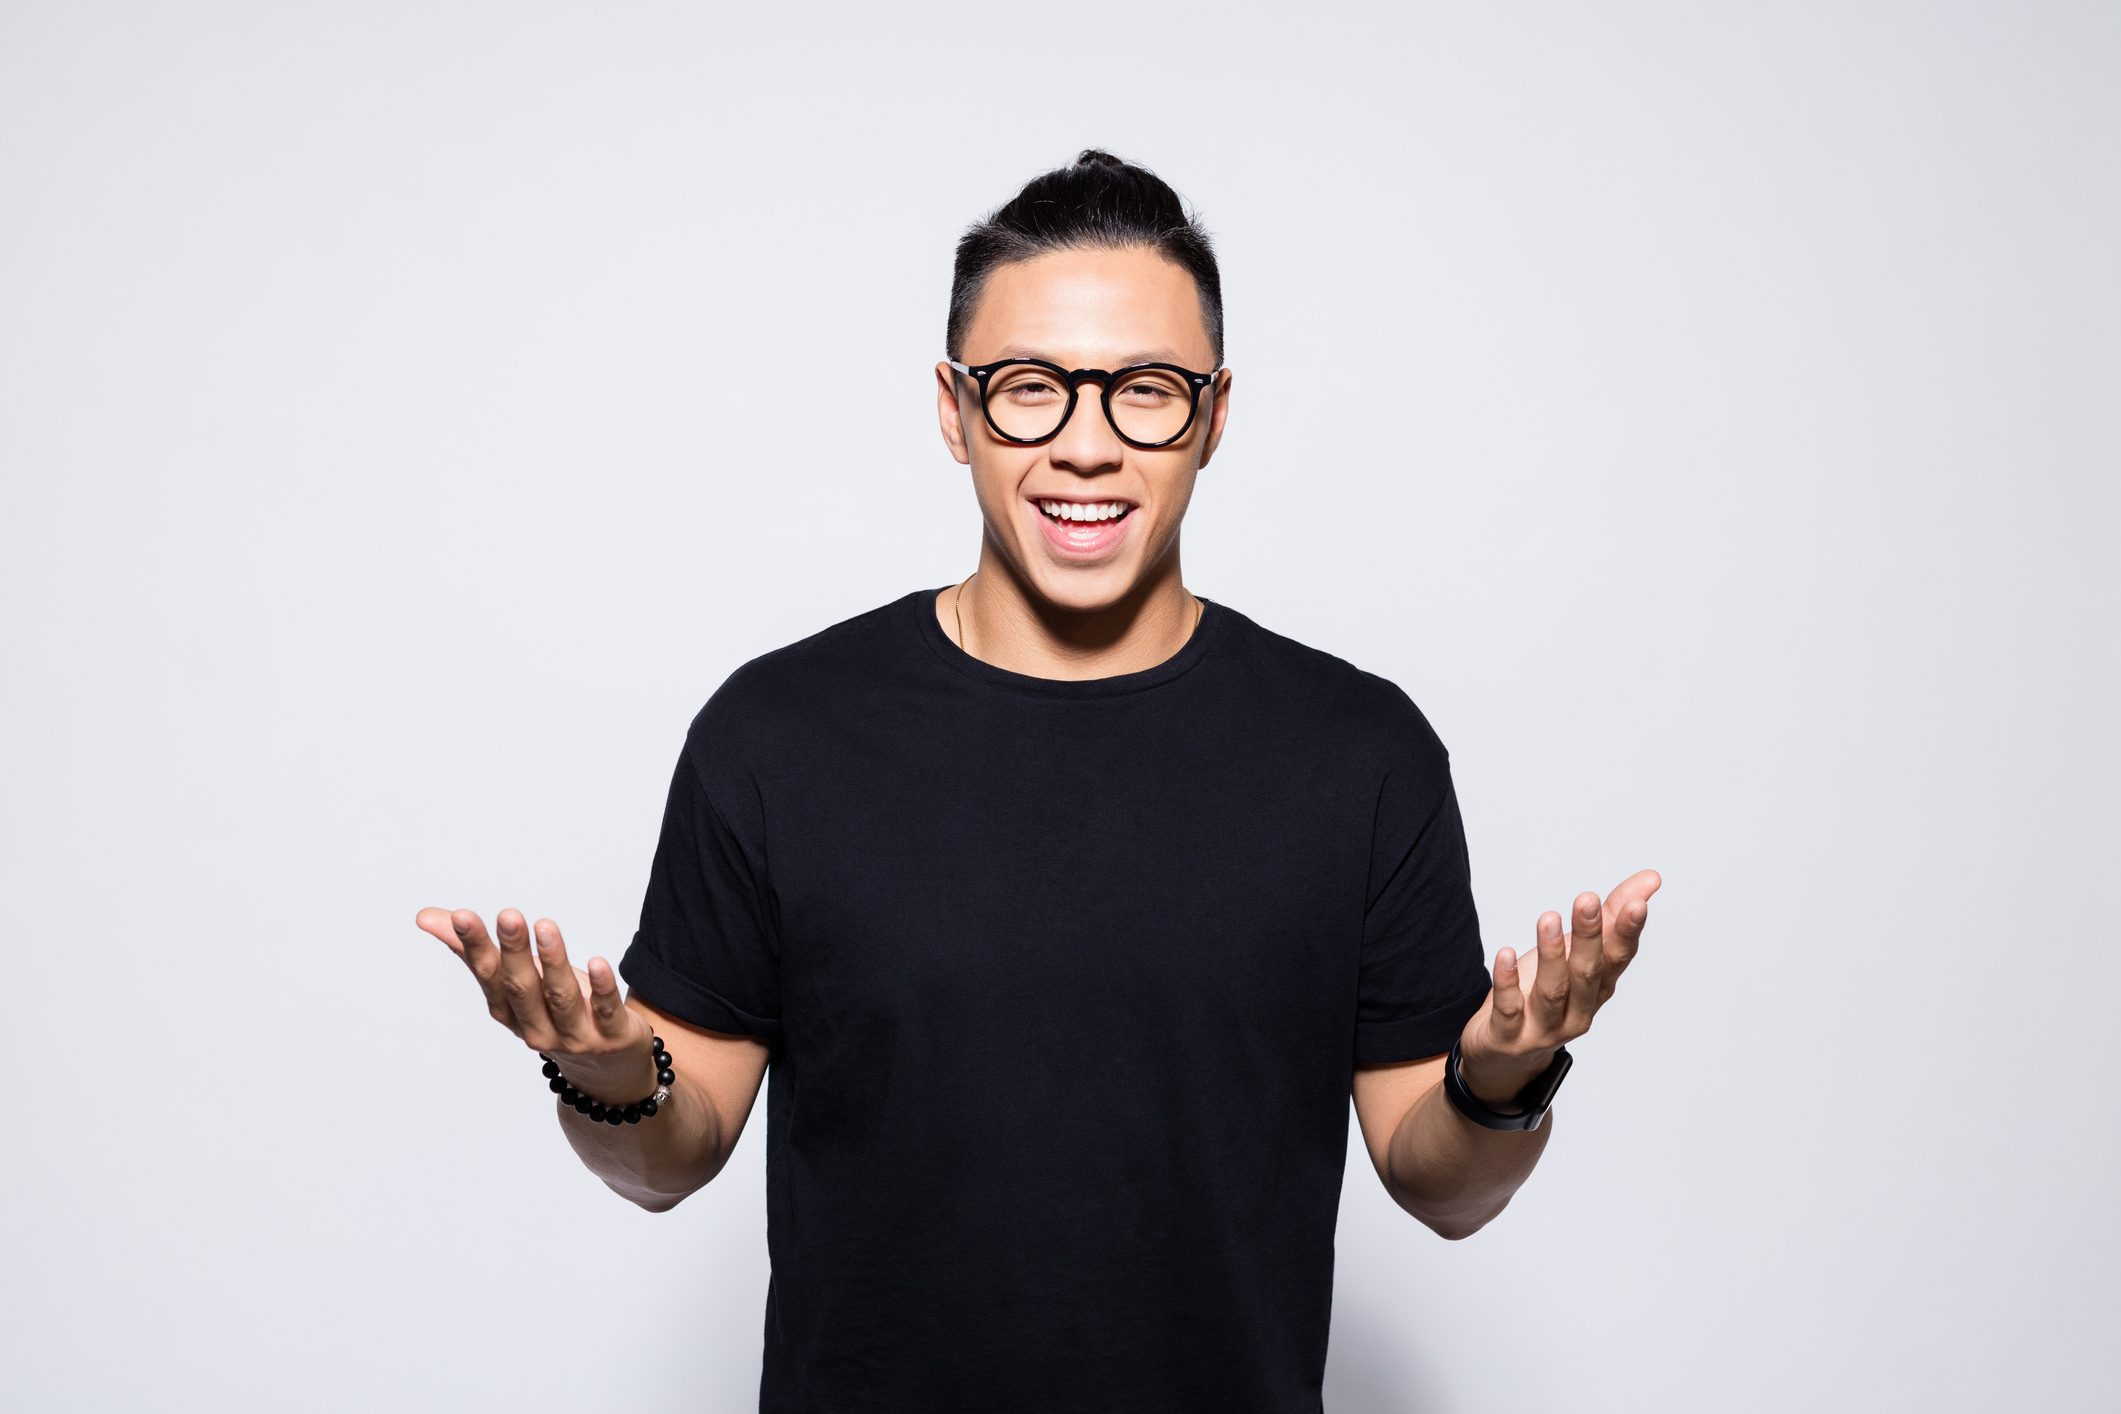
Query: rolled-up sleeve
[
  {"x": 1424, "y": 971},
  {"x": 706, "y": 950}
]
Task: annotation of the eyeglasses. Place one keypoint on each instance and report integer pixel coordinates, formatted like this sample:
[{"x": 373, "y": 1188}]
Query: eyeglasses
[{"x": 1028, "y": 400}]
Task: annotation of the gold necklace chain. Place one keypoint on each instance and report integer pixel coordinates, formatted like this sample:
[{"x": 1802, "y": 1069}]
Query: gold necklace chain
[{"x": 957, "y": 608}]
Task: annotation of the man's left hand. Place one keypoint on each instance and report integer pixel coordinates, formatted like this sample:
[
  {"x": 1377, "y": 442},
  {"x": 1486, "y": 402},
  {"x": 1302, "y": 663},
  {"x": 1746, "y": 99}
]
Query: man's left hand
[{"x": 1547, "y": 997}]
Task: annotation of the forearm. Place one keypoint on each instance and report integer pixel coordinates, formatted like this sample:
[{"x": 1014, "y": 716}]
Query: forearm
[
  {"x": 1456, "y": 1175},
  {"x": 657, "y": 1162}
]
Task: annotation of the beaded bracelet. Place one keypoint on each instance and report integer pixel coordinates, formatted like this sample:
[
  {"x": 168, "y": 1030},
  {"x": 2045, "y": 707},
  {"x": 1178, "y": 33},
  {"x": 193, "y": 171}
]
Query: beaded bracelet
[{"x": 597, "y": 1110}]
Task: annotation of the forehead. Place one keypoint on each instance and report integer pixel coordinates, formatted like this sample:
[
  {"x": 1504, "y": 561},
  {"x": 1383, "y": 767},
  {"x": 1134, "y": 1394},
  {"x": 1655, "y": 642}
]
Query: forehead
[{"x": 1090, "y": 308}]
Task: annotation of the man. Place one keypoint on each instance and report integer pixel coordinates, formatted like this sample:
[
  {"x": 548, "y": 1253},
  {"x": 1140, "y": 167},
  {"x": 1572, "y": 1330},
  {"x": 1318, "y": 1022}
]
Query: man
[{"x": 1065, "y": 909}]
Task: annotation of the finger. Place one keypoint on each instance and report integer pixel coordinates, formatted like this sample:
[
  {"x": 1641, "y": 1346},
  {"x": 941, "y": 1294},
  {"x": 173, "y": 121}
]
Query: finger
[
  {"x": 1628, "y": 921},
  {"x": 520, "y": 984},
  {"x": 605, "y": 1003},
  {"x": 1550, "y": 989},
  {"x": 1623, "y": 935},
  {"x": 1636, "y": 888},
  {"x": 484, "y": 960},
  {"x": 436, "y": 921},
  {"x": 564, "y": 1002},
  {"x": 1509, "y": 998},
  {"x": 1629, "y": 908},
  {"x": 1587, "y": 964}
]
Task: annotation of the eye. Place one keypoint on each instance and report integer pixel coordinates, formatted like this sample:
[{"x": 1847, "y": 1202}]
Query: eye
[{"x": 1151, "y": 390}]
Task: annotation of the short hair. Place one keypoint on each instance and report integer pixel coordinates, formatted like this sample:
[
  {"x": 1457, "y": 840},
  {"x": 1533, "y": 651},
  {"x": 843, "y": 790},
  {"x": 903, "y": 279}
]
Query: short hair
[{"x": 1097, "y": 201}]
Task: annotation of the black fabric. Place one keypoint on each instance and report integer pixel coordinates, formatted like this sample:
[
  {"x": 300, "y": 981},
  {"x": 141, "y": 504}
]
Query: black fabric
[{"x": 1065, "y": 982}]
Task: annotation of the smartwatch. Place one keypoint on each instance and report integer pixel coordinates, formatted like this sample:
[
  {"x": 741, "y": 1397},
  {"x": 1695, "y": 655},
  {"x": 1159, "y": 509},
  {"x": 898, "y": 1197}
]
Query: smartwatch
[{"x": 1527, "y": 1108}]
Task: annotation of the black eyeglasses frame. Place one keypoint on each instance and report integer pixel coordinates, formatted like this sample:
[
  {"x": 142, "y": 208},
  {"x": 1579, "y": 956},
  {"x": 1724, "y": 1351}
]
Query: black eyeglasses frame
[{"x": 979, "y": 373}]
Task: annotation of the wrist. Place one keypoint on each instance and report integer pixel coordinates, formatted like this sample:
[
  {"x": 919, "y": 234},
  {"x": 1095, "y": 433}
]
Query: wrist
[
  {"x": 1497, "y": 1082},
  {"x": 613, "y": 1080}
]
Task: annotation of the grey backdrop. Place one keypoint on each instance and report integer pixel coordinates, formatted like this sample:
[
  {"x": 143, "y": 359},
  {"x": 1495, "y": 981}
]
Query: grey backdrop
[{"x": 400, "y": 443}]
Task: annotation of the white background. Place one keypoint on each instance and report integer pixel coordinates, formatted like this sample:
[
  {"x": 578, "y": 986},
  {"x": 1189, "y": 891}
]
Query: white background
[{"x": 1707, "y": 413}]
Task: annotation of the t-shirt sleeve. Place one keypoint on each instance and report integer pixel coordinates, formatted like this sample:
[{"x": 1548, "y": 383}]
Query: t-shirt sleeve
[
  {"x": 1424, "y": 971},
  {"x": 707, "y": 951}
]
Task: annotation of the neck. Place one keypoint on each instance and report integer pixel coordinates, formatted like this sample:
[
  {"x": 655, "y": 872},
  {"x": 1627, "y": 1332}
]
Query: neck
[{"x": 1007, "y": 624}]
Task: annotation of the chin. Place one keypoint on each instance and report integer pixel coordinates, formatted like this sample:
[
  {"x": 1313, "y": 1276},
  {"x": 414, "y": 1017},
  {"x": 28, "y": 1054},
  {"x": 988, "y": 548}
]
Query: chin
[{"x": 1083, "y": 591}]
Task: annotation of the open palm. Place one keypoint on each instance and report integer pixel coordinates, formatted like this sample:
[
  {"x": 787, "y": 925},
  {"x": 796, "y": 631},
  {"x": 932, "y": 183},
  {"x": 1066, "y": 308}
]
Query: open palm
[{"x": 1546, "y": 997}]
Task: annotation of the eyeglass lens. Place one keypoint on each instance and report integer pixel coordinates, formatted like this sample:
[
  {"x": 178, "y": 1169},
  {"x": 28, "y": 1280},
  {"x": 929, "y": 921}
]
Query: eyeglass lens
[{"x": 1148, "y": 405}]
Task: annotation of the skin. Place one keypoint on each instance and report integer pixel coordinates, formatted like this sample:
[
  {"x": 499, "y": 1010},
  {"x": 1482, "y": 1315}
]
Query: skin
[
  {"x": 1455, "y": 1175},
  {"x": 1027, "y": 608},
  {"x": 1030, "y": 610},
  {"x": 602, "y": 1044}
]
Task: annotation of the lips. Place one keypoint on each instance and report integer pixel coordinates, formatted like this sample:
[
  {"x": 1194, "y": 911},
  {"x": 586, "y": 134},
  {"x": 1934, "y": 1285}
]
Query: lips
[{"x": 1078, "y": 541}]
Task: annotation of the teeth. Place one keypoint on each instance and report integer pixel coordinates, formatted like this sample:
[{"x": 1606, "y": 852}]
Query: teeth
[{"x": 1076, "y": 510}]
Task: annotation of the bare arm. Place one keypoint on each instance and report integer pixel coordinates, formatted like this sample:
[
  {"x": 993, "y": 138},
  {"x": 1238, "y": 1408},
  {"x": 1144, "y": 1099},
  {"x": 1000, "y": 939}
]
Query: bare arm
[
  {"x": 662, "y": 1160},
  {"x": 1452, "y": 1174},
  {"x": 603, "y": 1045}
]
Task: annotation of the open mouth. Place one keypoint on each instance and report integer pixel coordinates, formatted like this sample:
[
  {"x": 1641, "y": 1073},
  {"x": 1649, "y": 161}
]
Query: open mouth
[
  {"x": 1083, "y": 513},
  {"x": 1083, "y": 530}
]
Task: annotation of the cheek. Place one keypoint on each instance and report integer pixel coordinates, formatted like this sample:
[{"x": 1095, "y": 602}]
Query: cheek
[
  {"x": 1170, "y": 490},
  {"x": 998, "y": 482}
]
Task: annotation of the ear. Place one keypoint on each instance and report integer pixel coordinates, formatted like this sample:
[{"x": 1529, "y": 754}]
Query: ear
[
  {"x": 950, "y": 413},
  {"x": 1216, "y": 416}
]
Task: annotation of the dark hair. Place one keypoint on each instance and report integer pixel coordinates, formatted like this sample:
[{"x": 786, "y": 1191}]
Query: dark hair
[{"x": 1100, "y": 200}]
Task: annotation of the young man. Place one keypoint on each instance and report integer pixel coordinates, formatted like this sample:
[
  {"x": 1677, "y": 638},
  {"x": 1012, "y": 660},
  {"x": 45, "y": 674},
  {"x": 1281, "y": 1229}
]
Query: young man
[{"x": 1063, "y": 909}]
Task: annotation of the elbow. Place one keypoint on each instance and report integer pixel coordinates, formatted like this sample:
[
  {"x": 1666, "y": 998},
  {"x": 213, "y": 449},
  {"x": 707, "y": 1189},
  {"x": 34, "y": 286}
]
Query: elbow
[
  {"x": 650, "y": 1200},
  {"x": 1449, "y": 1224},
  {"x": 1459, "y": 1226},
  {"x": 653, "y": 1201}
]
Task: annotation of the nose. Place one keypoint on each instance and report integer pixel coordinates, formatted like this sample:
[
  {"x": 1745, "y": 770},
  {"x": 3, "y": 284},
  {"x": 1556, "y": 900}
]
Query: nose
[{"x": 1086, "y": 442}]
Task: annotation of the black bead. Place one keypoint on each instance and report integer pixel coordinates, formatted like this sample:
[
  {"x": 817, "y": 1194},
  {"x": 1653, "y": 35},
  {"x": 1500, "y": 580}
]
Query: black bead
[
  {"x": 647, "y": 1107},
  {"x": 596, "y": 1110},
  {"x": 551, "y": 1070},
  {"x": 666, "y": 1076},
  {"x": 556, "y": 1085},
  {"x": 582, "y": 1104},
  {"x": 614, "y": 1116},
  {"x": 568, "y": 1093}
]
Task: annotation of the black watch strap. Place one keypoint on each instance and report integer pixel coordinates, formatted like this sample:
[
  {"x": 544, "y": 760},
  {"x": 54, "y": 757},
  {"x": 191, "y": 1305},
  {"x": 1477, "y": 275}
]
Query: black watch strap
[{"x": 1528, "y": 1107}]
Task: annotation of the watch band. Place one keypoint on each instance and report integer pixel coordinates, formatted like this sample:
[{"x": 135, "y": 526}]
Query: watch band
[{"x": 1528, "y": 1106}]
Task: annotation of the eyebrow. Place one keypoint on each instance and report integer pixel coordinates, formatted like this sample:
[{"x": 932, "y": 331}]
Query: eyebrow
[{"x": 1147, "y": 356}]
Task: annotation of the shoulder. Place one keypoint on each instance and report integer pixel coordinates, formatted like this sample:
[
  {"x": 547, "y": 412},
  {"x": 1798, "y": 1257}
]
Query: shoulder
[
  {"x": 1366, "y": 713},
  {"x": 770, "y": 701}
]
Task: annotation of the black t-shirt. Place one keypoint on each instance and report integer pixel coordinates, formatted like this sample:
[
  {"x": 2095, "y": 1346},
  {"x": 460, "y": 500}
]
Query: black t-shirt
[{"x": 1065, "y": 982}]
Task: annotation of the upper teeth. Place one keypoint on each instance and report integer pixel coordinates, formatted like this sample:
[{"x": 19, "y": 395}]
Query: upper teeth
[{"x": 1080, "y": 510}]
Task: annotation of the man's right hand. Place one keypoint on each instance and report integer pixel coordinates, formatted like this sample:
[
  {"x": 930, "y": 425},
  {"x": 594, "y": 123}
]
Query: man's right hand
[{"x": 601, "y": 1045}]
